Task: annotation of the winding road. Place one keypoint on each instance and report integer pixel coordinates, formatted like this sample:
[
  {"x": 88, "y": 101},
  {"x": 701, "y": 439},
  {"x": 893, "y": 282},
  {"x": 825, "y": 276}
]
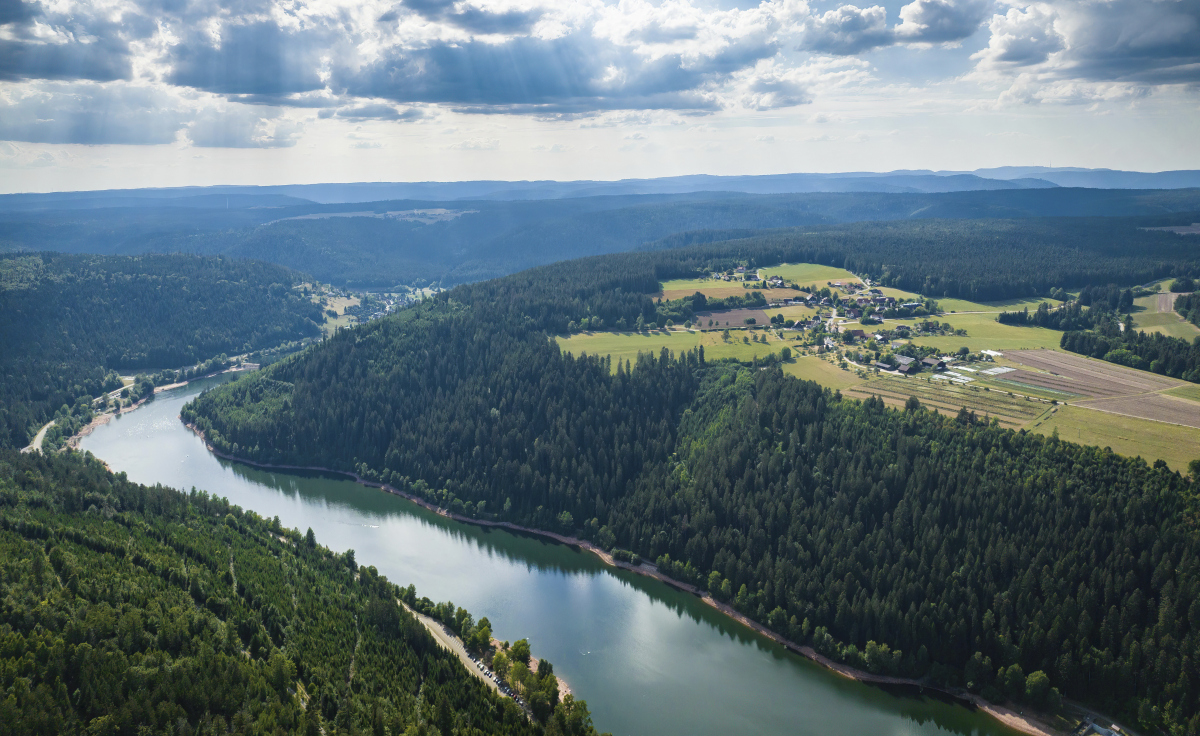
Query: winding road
[{"x": 38, "y": 438}]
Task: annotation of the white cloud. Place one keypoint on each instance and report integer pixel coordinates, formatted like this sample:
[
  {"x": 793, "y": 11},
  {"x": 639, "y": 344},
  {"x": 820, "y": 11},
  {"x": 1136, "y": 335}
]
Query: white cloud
[
  {"x": 941, "y": 21},
  {"x": 477, "y": 144},
  {"x": 1021, "y": 38},
  {"x": 848, "y": 30}
]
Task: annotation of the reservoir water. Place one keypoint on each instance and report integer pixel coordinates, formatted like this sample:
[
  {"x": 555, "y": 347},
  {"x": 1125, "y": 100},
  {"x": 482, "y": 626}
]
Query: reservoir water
[{"x": 647, "y": 658}]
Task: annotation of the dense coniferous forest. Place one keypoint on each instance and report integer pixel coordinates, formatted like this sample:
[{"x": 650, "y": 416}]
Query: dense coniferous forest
[
  {"x": 981, "y": 260},
  {"x": 131, "y": 609},
  {"x": 901, "y": 541},
  {"x": 68, "y": 322},
  {"x": 1188, "y": 306}
]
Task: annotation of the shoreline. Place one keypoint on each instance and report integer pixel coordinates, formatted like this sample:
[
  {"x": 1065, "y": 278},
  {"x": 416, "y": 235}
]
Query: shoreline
[
  {"x": 100, "y": 420},
  {"x": 1017, "y": 721}
]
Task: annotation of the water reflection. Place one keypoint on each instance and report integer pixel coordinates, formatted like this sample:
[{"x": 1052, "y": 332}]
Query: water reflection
[{"x": 649, "y": 659}]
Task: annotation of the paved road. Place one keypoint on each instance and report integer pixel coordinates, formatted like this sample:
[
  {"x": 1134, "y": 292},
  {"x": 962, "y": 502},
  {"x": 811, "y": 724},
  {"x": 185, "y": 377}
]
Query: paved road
[{"x": 38, "y": 438}]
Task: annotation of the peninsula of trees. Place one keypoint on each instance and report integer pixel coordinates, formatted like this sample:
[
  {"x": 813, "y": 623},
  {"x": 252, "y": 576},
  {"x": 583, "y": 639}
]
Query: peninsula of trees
[{"x": 905, "y": 542}]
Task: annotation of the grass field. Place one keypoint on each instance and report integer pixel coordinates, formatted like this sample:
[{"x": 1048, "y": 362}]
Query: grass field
[
  {"x": 812, "y": 368},
  {"x": 1191, "y": 391},
  {"x": 803, "y": 274},
  {"x": 1148, "y": 318},
  {"x": 713, "y": 289},
  {"x": 1128, "y": 436},
  {"x": 985, "y": 333},
  {"x": 627, "y": 345},
  {"x": 806, "y": 274},
  {"x": 791, "y": 312},
  {"x": 1008, "y": 305}
]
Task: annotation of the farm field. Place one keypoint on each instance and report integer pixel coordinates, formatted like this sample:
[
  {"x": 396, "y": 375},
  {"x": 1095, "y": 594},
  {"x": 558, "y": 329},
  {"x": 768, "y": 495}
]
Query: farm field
[
  {"x": 948, "y": 398},
  {"x": 1129, "y": 436},
  {"x": 1159, "y": 407},
  {"x": 1084, "y": 376},
  {"x": 985, "y": 333},
  {"x": 731, "y": 318}
]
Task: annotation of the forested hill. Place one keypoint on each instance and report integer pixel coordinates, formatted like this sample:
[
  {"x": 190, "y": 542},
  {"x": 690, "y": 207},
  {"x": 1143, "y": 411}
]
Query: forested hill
[
  {"x": 68, "y": 321},
  {"x": 903, "y": 542},
  {"x": 982, "y": 260},
  {"x": 133, "y": 610},
  {"x": 484, "y": 239}
]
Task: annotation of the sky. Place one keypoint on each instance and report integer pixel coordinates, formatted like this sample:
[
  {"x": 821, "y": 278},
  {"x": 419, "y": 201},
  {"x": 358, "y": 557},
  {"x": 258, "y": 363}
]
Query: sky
[{"x": 133, "y": 93}]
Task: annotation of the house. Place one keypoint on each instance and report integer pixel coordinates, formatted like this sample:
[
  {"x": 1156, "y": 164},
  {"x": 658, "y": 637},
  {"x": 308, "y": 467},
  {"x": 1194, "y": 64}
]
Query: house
[
  {"x": 896, "y": 345},
  {"x": 741, "y": 269},
  {"x": 853, "y": 313},
  {"x": 904, "y": 360},
  {"x": 856, "y": 334},
  {"x": 911, "y": 305},
  {"x": 934, "y": 363},
  {"x": 908, "y": 369}
]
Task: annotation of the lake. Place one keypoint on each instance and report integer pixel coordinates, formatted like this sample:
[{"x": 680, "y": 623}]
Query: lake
[{"x": 647, "y": 658}]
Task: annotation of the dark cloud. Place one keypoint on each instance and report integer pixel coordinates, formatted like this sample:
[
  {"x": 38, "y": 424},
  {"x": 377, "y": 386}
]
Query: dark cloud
[
  {"x": 377, "y": 111},
  {"x": 469, "y": 18},
  {"x": 252, "y": 59},
  {"x": 1134, "y": 41},
  {"x": 17, "y": 11},
  {"x": 941, "y": 21},
  {"x": 102, "y": 60},
  {"x": 568, "y": 74},
  {"x": 83, "y": 46},
  {"x": 91, "y": 114}
]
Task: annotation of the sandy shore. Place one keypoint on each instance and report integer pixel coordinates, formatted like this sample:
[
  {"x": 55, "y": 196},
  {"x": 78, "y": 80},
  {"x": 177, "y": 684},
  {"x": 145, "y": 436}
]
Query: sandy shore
[{"x": 1024, "y": 723}]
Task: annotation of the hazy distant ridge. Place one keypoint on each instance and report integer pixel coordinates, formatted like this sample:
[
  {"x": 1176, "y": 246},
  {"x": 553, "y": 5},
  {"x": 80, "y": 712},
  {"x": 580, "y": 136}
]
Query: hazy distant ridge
[{"x": 896, "y": 182}]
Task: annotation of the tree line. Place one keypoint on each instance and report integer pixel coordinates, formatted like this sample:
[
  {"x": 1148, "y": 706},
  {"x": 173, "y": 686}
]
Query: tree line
[{"x": 132, "y": 609}]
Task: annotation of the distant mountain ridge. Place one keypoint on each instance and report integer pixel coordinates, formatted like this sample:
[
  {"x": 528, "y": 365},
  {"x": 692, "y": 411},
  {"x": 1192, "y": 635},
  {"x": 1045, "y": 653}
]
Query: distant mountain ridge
[
  {"x": 493, "y": 237},
  {"x": 895, "y": 182}
]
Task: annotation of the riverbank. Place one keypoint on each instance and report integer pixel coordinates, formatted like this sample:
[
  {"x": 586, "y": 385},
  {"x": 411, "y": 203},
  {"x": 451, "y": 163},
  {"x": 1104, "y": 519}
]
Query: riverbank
[
  {"x": 100, "y": 420},
  {"x": 1023, "y": 722},
  {"x": 456, "y": 645}
]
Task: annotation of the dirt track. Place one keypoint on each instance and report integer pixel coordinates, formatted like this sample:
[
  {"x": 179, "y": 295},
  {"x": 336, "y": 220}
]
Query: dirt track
[{"x": 1166, "y": 301}]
